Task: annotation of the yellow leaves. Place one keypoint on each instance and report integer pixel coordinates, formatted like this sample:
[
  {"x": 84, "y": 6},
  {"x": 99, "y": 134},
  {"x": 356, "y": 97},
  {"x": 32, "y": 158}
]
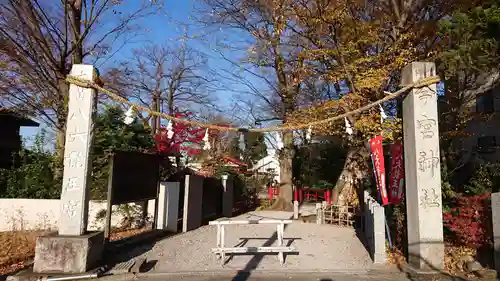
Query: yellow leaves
[
  {"x": 368, "y": 125},
  {"x": 372, "y": 78}
]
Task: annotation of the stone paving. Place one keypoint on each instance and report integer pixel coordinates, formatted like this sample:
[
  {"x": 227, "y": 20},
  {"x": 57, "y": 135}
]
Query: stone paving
[{"x": 320, "y": 248}]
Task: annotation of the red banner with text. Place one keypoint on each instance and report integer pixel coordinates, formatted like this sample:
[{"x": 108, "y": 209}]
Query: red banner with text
[
  {"x": 397, "y": 178},
  {"x": 379, "y": 167}
]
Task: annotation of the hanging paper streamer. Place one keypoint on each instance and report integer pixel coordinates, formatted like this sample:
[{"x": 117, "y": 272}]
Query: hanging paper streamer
[
  {"x": 348, "y": 127},
  {"x": 206, "y": 146},
  {"x": 383, "y": 116},
  {"x": 170, "y": 132},
  {"x": 279, "y": 141},
  {"x": 129, "y": 116},
  {"x": 309, "y": 133}
]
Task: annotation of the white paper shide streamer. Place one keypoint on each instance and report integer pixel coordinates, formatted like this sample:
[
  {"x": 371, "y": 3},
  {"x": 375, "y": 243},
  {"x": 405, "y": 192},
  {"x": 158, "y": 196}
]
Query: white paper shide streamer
[
  {"x": 129, "y": 116},
  {"x": 309, "y": 133},
  {"x": 170, "y": 131},
  {"x": 348, "y": 127},
  {"x": 383, "y": 116},
  {"x": 206, "y": 141}
]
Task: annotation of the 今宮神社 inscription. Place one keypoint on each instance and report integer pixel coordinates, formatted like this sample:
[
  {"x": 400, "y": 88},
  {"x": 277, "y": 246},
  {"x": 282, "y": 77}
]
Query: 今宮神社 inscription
[
  {"x": 425, "y": 94},
  {"x": 422, "y": 169},
  {"x": 427, "y": 127},
  {"x": 429, "y": 198},
  {"x": 428, "y": 162}
]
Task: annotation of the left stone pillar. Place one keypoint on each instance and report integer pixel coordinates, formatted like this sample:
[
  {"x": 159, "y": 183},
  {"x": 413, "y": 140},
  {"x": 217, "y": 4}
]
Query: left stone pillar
[{"x": 74, "y": 250}]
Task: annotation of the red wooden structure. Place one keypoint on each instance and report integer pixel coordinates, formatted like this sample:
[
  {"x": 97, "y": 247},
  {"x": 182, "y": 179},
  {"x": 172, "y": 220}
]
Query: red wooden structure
[
  {"x": 273, "y": 191},
  {"x": 311, "y": 194},
  {"x": 301, "y": 194}
]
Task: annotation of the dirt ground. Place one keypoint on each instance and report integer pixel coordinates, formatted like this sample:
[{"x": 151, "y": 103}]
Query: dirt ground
[{"x": 17, "y": 248}]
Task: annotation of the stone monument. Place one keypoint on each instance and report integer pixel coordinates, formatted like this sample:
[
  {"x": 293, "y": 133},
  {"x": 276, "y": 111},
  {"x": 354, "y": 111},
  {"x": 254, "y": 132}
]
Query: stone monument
[
  {"x": 193, "y": 203},
  {"x": 422, "y": 170},
  {"x": 74, "y": 250},
  {"x": 168, "y": 206}
]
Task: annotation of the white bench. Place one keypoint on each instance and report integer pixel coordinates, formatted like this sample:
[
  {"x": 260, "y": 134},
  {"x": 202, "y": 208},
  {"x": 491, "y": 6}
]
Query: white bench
[{"x": 221, "y": 251}]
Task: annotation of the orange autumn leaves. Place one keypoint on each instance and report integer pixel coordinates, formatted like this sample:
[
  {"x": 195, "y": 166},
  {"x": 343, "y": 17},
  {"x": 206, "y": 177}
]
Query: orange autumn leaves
[{"x": 366, "y": 125}]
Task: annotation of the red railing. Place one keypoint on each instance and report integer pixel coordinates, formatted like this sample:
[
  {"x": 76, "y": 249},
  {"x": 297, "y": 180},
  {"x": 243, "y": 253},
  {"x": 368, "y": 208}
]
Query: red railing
[
  {"x": 273, "y": 191},
  {"x": 301, "y": 194},
  {"x": 310, "y": 194}
]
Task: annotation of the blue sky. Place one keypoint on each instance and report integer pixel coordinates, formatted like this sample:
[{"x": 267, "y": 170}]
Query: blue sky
[{"x": 166, "y": 28}]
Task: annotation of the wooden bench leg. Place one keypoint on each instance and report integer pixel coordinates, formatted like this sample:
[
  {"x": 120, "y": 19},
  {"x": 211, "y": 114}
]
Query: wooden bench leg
[
  {"x": 218, "y": 241},
  {"x": 223, "y": 254},
  {"x": 279, "y": 230}
]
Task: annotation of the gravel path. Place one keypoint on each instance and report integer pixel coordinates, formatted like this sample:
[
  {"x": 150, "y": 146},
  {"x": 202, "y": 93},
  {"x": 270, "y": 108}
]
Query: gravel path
[{"x": 320, "y": 247}]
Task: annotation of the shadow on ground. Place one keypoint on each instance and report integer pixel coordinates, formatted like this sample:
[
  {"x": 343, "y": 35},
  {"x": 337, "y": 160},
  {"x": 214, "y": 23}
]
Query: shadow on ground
[
  {"x": 244, "y": 274},
  {"x": 431, "y": 272},
  {"x": 128, "y": 249}
]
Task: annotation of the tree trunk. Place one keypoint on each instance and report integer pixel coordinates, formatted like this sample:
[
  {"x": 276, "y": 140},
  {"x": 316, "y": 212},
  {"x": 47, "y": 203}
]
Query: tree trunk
[
  {"x": 59, "y": 153},
  {"x": 350, "y": 182},
  {"x": 75, "y": 16},
  {"x": 61, "y": 117},
  {"x": 285, "y": 198}
]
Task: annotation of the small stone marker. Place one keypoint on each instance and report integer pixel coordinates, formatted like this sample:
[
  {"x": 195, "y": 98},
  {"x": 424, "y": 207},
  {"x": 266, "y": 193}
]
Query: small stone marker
[
  {"x": 193, "y": 203},
  {"x": 295, "y": 210},
  {"x": 422, "y": 170},
  {"x": 77, "y": 164},
  {"x": 168, "y": 206},
  {"x": 319, "y": 214}
]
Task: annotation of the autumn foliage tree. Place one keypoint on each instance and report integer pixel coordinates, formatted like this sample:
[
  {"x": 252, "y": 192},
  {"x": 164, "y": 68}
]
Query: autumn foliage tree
[
  {"x": 189, "y": 141},
  {"x": 272, "y": 56},
  {"x": 185, "y": 139},
  {"x": 41, "y": 40},
  {"x": 360, "y": 47}
]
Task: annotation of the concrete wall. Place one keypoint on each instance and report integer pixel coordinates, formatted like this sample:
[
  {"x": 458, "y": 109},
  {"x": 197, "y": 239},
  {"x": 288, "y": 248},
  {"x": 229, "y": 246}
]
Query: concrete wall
[
  {"x": 25, "y": 214},
  {"x": 374, "y": 228}
]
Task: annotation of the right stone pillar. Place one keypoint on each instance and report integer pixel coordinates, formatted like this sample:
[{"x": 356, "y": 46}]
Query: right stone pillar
[{"x": 422, "y": 170}]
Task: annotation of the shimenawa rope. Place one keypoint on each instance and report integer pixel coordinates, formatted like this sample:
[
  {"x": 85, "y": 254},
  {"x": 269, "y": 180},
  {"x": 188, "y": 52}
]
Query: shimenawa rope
[{"x": 89, "y": 84}]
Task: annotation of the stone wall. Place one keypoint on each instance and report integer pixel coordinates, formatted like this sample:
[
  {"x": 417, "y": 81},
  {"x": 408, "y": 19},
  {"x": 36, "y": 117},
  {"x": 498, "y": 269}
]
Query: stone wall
[
  {"x": 28, "y": 214},
  {"x": 374, "y": 228}
]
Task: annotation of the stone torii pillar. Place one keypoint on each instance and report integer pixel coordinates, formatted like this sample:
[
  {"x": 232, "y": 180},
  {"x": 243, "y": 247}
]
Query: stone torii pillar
[
  {"x": 77, "y": 164},
  {"x": 422, "y": 170},
  {"x": 74, "y": 250}
]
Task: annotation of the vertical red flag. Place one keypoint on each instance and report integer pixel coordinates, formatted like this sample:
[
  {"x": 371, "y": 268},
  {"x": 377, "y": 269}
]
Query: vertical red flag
[
  {"x": 396, "y": 183},
  {"x": 379, "y": 167}
]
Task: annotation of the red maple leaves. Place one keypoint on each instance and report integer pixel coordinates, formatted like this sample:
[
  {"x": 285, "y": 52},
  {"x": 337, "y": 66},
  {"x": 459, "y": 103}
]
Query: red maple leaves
[
  {"x": 470, "y": 220},
  {"x": 186, "y": 139}
]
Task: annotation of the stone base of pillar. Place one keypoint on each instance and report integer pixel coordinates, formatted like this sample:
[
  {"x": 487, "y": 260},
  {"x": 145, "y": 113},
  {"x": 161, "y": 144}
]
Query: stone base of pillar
[
  {"x": 68, "y": 254},
  {"x": 426, "y": 257}
]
